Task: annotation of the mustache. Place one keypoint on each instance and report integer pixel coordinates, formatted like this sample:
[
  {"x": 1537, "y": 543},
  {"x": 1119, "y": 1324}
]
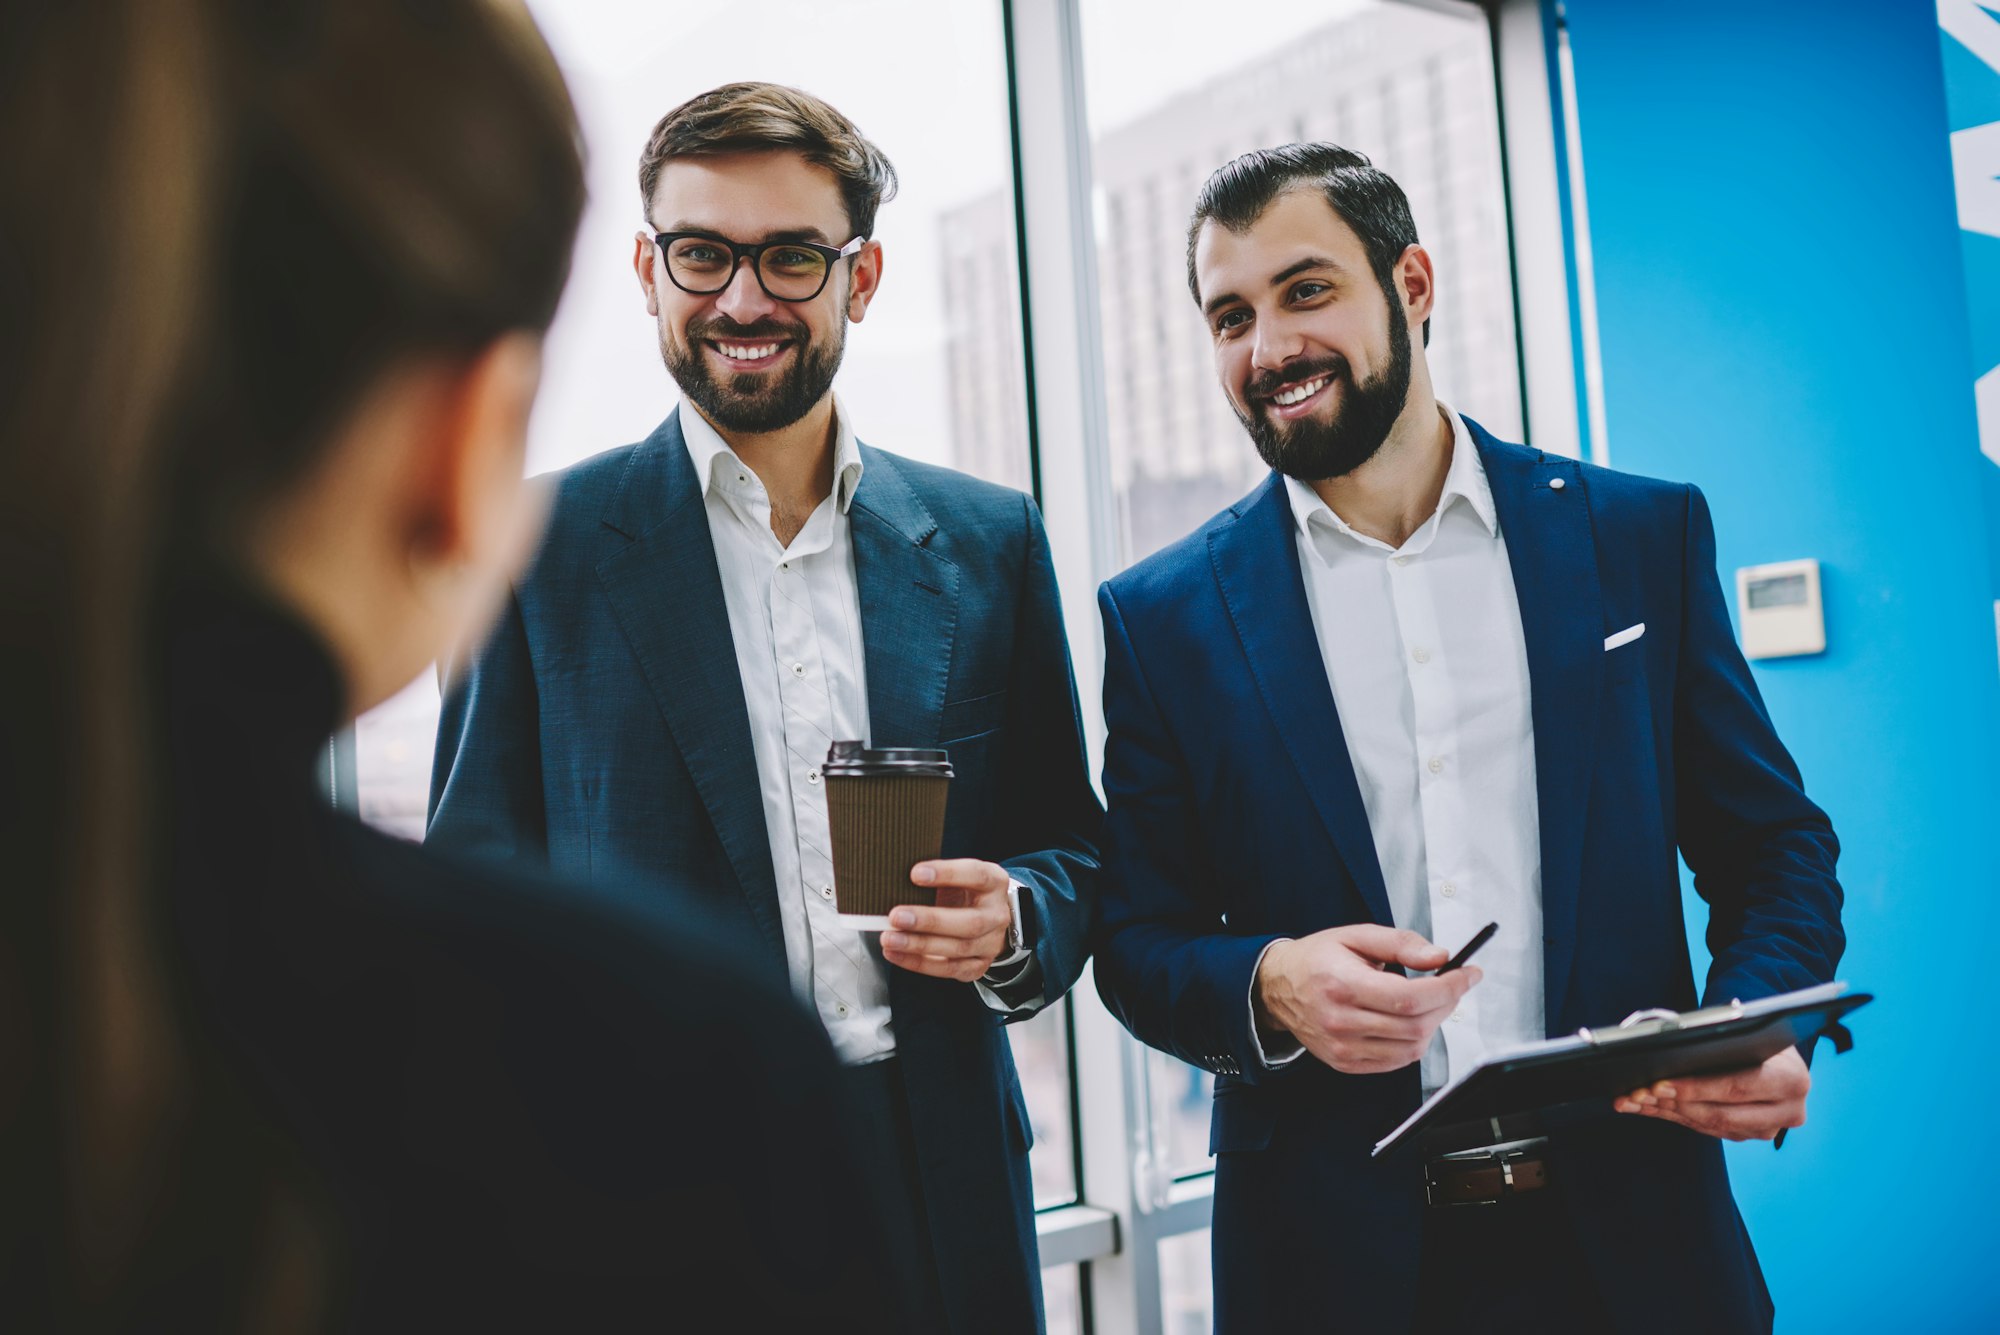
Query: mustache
[
  {"x": 721, "y": 327},
  {"x": 1264, "y": 385}
]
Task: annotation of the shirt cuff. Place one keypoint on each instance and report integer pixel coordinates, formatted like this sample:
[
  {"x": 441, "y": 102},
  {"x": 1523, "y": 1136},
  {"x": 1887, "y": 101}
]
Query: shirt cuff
[{"x": 1284, "y": 1048}]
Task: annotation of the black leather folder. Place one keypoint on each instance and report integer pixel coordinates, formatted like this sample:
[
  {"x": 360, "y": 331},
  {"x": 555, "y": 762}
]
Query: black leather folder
[{"x": 1524, "y": 1091}]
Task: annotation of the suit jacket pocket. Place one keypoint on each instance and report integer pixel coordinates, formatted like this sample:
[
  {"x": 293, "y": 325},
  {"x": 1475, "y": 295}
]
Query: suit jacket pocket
[
  {"x": 963, "y": 719},
  {"x": 1243, "y": 1120}
]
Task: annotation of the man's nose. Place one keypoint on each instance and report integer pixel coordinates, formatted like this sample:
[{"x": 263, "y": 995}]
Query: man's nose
[
  {"x": 744, "y": 300},
  {"x": 1274, "y": 345}
]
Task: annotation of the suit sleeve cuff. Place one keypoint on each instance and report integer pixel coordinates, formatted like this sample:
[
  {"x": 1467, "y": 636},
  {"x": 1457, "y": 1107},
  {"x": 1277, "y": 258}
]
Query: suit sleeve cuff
[{"x": 1283, "y": 1049}]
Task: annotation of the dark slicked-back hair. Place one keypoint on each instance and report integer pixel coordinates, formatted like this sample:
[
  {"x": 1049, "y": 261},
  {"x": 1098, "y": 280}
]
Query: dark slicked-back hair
[
  {"x": 1367, "y": 199},
  {"x": 759, "y": 117}
]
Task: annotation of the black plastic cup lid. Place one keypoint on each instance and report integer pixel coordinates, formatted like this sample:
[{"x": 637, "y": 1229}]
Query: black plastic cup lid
[{"x": 854, "y": 759}]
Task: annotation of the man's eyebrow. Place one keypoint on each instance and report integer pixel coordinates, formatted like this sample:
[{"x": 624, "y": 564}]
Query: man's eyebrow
[
  {"x": 1290, "y": 271},
  {"x": 1309, "y": 262},
  {"x": 1217, "y": 302},
  {"x": 780, "y": 234}
]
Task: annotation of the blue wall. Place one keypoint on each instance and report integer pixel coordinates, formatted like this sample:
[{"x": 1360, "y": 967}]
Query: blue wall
[{"x": 1784, "y": 322}]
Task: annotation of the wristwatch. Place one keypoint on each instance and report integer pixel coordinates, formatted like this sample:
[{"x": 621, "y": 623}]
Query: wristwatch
[{"x": 1017, "y": 939}]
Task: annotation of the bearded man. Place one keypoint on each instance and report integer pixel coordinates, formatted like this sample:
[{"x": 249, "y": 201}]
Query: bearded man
[
  {"x": 717, "y": 604},
  {"x": 1418, "y": 681}
]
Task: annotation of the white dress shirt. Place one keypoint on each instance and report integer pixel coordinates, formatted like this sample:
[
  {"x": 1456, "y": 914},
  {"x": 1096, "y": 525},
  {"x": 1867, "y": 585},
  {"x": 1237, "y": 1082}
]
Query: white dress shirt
[
  {"x": 795, "y": 619},
  {"x": 1424, "y": 650}
]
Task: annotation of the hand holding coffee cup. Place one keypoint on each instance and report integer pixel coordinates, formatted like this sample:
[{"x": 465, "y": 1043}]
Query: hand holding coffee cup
[
  {"x": 885, "y": 811},
  {"x": 964, "y": 932}
]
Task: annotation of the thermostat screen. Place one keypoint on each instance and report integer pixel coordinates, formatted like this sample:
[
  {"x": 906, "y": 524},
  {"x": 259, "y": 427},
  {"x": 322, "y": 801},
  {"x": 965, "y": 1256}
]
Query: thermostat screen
[{"x": 1781, "y": 591}]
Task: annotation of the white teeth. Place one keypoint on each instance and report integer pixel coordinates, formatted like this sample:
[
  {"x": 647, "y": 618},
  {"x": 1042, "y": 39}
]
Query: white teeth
[
  {"x": 747, "y": 352},
  {"x": 1299, "y": 393}
]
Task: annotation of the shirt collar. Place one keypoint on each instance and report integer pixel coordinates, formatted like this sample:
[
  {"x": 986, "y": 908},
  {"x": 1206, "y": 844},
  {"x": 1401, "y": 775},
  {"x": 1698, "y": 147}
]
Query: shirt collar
[
  {"x": 706, "y": 448},
  {"x": 1464, "y": 480}
]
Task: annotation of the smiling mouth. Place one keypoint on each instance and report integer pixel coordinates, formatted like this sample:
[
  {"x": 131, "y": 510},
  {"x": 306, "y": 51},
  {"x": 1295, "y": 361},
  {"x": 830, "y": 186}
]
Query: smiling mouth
[
  {"x": 747, "y": 356},
  {"x": 1299, "y": 393},
  {"x": 1296, "y": 399}
]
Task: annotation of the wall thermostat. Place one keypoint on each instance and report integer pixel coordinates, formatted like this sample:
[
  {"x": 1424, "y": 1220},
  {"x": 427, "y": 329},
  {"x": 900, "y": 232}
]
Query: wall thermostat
[{"x": 1779, "y": 609}]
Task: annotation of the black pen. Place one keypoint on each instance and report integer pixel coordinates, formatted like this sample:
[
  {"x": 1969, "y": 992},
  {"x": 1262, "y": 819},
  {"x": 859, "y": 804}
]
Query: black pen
[{"x": 1485, "y": 935}]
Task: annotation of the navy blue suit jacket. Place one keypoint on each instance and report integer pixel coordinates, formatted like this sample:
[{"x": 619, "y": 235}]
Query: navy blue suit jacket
[
  {"x": 1234, "y": 819},
  {"x": 603, "y": 730}
]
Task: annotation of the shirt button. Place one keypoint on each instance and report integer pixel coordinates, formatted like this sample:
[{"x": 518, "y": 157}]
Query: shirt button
[
  {"x": 742, "y": 478},
  {"x": 812, "y": 776},
  {"x": 1456, "y": 1016},
  {"x": 826, "y": 892},
  {"x": 1421, "y": 655},
  {"x": 1556, "y": 484},
  {"x": 1402, "y": 560},
  {"x": 1436, "y": 764},
  {"x": 1447, "y": 889},
  {"x": 798, "y": 669},
  {"x": 784, "y": 565},
  {"x": 842, "y": 1010}
]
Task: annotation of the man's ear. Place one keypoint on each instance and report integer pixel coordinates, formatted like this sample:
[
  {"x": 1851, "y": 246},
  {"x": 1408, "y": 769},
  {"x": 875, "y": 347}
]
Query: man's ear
[
  {"x": 864, "y": 280},
  {"x": 644, "y": 257},
  {"x": 468, "y": 489},
  {"x": 1417, "y": 281}
]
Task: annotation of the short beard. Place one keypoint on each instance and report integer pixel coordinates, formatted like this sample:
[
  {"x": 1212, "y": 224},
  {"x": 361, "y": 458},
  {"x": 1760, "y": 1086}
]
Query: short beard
[
  {"x": 754, "y": 403},
  {"x": 1312, "y": 450}
]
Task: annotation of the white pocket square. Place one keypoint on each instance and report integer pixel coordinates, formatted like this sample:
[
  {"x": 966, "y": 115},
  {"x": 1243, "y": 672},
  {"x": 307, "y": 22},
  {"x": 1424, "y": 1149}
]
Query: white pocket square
[{"x": 1625, "y": 636}]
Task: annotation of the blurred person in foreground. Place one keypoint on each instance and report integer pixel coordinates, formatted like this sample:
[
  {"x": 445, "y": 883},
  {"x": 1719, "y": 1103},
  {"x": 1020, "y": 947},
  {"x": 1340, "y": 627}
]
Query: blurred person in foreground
[
  {"x": 717, "y": 604},
  {"x": 1419, "y": 680},
  {"x": 264, "y": 1067}
]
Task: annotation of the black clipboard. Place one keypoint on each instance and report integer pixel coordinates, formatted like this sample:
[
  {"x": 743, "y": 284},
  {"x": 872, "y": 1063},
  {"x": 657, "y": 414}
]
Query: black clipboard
[{"x": 1518, "y": 1092}]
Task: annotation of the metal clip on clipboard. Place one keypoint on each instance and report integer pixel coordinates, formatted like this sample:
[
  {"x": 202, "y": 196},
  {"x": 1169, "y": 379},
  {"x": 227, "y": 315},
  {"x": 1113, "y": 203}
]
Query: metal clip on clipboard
[{"x": 1659, "y": 1020}]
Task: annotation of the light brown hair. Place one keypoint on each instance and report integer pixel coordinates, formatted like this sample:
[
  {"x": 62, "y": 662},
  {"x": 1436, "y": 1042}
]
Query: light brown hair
[{"x": 761, "y": 117}]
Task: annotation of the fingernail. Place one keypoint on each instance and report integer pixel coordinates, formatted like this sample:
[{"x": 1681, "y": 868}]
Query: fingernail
[
  {"x": 923, "y": 875},
  {"x": 1664, "y": 1090},
  {"x": 894, "y": 941},
  {"x": 903, "y": 918}
]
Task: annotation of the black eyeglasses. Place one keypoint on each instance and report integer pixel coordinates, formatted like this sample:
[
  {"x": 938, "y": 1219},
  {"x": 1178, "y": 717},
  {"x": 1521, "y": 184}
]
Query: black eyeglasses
[{"x": 702, "y": 265}]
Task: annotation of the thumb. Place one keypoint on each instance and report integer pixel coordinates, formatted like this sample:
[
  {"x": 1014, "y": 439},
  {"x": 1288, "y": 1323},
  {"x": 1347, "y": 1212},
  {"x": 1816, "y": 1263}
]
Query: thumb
[{"x": 1395, "y": 945}]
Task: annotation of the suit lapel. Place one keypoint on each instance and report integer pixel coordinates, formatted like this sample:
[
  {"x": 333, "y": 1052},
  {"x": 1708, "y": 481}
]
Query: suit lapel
[
  {"x": 665, "y": 590},
  {"x": 1554, "y": 560},
  {"x": 909, "y": 605},
  {"x": 1256, "y": 562}
]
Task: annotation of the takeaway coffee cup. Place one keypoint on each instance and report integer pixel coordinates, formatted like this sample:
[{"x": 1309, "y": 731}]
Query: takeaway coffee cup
[{"x": 885, "y": 811}]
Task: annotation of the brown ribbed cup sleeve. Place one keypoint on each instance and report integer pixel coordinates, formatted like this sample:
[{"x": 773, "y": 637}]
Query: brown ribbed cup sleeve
[{"x": 883, "y": 825}]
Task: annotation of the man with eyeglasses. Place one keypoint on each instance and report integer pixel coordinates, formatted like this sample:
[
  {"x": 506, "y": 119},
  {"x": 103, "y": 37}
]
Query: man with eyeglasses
[{"x": 716, "y": 605}]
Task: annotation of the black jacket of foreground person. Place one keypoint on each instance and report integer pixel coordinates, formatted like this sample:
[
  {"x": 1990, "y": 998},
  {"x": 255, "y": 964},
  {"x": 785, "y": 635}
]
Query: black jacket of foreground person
[{"x": 515, "y": 1106}]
